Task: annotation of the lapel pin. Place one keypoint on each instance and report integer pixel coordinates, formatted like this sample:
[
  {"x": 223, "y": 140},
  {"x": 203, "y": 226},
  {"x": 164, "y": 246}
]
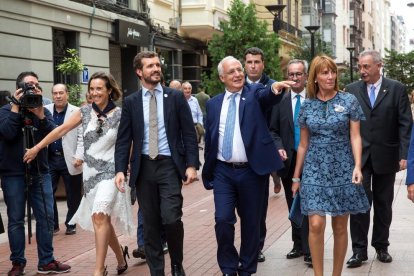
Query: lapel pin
[
  {"x": 243, "y": 98},
  {"x": 165, "y": 95},
  {"x": 385, "y": 91}
]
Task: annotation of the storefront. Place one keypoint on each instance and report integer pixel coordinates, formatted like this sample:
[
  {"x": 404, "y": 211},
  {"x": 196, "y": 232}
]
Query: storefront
[{"x": 129, "y": 39}]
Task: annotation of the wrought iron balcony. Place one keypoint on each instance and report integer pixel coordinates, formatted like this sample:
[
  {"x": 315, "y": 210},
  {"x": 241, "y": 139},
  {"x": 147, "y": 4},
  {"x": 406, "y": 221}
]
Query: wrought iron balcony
[{"x": 279, "y": 25}]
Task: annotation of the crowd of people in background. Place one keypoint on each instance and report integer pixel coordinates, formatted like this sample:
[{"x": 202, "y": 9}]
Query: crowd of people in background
[{"x": 337, "y": 151}]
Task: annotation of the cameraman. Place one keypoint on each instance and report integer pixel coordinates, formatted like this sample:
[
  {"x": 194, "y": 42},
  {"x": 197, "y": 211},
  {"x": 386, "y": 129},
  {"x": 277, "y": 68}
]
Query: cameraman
[{"x": 14, "y": 118}]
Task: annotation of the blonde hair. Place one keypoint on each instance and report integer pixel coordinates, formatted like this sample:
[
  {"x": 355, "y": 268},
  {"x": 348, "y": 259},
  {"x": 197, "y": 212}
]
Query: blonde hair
[{"x": 318, "y": 64}]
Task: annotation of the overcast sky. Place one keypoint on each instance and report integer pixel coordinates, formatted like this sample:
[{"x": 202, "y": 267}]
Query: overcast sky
[{"x": 400, "y": 8}]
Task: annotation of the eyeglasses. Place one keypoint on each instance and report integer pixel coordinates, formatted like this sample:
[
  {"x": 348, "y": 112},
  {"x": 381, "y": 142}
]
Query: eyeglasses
[
  {"x": 234, "y": 71},
  {"x": 297, "y": 74},
  {"x": 99, "y": 129}
]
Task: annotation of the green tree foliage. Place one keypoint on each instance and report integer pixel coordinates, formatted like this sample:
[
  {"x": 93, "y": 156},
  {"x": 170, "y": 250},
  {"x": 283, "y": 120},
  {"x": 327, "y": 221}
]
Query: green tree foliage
[
  {"x": 344, "y": 78},
  {"x": 242, "y": 31},
  {"x": 400, "y": 67},
  {"x": 304, "y": 50},
  {"x": 72, "y": 65}
]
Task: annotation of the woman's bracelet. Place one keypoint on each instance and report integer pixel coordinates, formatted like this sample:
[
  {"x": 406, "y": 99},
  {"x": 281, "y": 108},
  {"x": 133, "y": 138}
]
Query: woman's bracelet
[{"x": 295, "y": 180}]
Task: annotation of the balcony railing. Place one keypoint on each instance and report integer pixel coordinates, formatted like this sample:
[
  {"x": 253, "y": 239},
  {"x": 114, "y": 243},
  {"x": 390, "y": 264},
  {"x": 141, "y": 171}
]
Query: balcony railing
[{"x": 282, "y": 25}]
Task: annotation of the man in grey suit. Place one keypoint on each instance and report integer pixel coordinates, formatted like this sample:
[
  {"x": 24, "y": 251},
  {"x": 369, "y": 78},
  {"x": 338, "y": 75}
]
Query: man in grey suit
[
  {"x": 66, "y": 157},
  {"x": 385, "y": 138},
  {"x": 156, "y": 121},
  {"x": 285, "y": 132}
]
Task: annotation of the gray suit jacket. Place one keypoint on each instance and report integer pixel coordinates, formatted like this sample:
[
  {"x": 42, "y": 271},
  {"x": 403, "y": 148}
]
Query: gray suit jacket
[{"x": 386, "y": 131}]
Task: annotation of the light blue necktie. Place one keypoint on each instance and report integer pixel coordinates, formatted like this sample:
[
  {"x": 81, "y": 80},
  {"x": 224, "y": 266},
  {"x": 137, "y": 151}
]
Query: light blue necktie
[
  {"x": 372, "y": 95},
  {"x": 295, "y": 121},
  {"x": 227, "y": 149}
]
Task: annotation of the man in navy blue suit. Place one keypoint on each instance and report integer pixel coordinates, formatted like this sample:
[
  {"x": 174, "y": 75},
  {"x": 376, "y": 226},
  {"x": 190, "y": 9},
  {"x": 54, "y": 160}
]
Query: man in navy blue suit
[
  {"x": 156, "y": 121},
  {"x": 239, "y": 156}
]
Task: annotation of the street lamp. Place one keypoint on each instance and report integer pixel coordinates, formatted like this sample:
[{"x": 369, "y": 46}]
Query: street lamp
[
  {"x": 351, "y": 50},
  {"x": 276, "y": 10},
  {"x": 312, "y": 30}
]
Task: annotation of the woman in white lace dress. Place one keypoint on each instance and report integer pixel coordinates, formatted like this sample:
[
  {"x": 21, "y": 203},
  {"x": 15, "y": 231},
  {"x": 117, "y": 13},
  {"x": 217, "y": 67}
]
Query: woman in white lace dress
[{"x": 101, "y": 200}]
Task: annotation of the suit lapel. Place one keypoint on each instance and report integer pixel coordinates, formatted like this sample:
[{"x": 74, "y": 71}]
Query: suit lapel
[
  {"x": 138, "y": 104},
  {"x": 216, "y": 113},
  {"x": 364, "y": 94},
  {"x": 382, "y": 92},
  {"x": 242, "y": 104},
  {"x": 167, "y": 105},
  {"x": 69, "y": 111},
  {"x": 288, "y": 105}
]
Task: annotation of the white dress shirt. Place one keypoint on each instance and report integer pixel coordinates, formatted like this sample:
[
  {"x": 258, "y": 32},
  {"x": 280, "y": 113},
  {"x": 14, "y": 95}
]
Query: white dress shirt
[
  {"x": 377, "y": 87},
  {"x": 294, "y": 99},
  {"x": 238, "y": 152}
]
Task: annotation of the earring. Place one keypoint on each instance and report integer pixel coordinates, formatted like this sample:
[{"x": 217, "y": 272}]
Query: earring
[{"x": 316, "y": 81}]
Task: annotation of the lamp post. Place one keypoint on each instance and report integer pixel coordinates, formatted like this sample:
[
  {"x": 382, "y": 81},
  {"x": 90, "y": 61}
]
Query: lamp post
[
  {"x": 276, "y": 10},
  {"x": 351, "y": 50},
  {"x": 312, "y": 30}
]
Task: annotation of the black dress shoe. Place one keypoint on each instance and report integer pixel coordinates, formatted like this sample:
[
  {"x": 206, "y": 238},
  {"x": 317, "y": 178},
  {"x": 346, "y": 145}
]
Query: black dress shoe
[
  {"x": 139, "y": 252},
  {"x": 261, "y": 257},
  {"x": 383, "y": 256},
  {"x": 71, "y": 230},
  {"x": 177, "y": 270},
  {"x": 307, "y": 258},
  {"x": 229, "y": 274},
  {"x": 356, "y": 260},
  {"x": 294, "y": 253}
]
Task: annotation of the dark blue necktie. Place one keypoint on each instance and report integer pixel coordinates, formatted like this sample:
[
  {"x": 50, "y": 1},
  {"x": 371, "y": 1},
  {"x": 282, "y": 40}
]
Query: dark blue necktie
[
  {"x": 372, "y": 95},
  {"x": 227, "y": 149},
  {"x": 295, "y": 121}
]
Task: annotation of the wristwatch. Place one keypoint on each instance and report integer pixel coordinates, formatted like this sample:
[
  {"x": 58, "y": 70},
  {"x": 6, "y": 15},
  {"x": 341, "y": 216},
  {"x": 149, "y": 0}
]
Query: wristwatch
[{"x": 295, "y": 180}]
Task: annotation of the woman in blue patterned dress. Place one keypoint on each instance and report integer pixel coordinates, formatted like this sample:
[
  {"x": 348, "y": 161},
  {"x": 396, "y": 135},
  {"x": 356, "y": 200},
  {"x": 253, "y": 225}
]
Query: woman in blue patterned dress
[
  {"x": 329, "y": 160},
  {"x": 102, "y": 200}
]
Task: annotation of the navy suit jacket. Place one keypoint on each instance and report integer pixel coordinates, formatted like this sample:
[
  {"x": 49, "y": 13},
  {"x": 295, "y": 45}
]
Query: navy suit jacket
[
  {"x": 386, "y": 131},
  {"x": 180, "y": 131},
  {"x": 261, "y": 152}
]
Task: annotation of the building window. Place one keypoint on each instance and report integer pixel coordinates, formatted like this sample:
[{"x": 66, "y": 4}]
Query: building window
[
  {"x": 124, "y": 3},
  {"x": 62, "y": 40}
]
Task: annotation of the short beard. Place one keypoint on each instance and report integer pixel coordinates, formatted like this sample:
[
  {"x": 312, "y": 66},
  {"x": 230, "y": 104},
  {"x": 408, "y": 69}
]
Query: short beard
[{"x": 150, "y": 81}]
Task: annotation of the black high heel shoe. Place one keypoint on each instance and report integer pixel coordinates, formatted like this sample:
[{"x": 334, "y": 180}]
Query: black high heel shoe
[{"x": 122, "y": 269}]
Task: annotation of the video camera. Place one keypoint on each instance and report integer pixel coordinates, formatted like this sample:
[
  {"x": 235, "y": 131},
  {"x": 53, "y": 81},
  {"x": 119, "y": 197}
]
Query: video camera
[{"x": 29, "y": 99}]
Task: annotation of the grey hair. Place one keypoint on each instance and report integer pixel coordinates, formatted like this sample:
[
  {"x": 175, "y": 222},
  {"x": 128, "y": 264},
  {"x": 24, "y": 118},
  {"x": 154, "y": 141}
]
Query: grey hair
[
  {"x": 185, "y": 83},
  {"x": 220, "y": 65},
  {"x": 374, "y": 54},
  {"x": 301, "y": 61}
]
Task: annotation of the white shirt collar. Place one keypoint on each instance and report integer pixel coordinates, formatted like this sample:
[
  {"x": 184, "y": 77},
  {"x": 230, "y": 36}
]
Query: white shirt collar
[
  {"x": 157, "y": 89},
  {"x": 302, "y": 94},
  {"x": 377, "y": 84},
  {"x": 228, "y": 94},
  {"x": 249, "y": 81}
]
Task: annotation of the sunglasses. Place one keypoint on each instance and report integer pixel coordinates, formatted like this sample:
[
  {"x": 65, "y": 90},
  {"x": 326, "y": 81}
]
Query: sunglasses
[{"x": 99, "y": 129}]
